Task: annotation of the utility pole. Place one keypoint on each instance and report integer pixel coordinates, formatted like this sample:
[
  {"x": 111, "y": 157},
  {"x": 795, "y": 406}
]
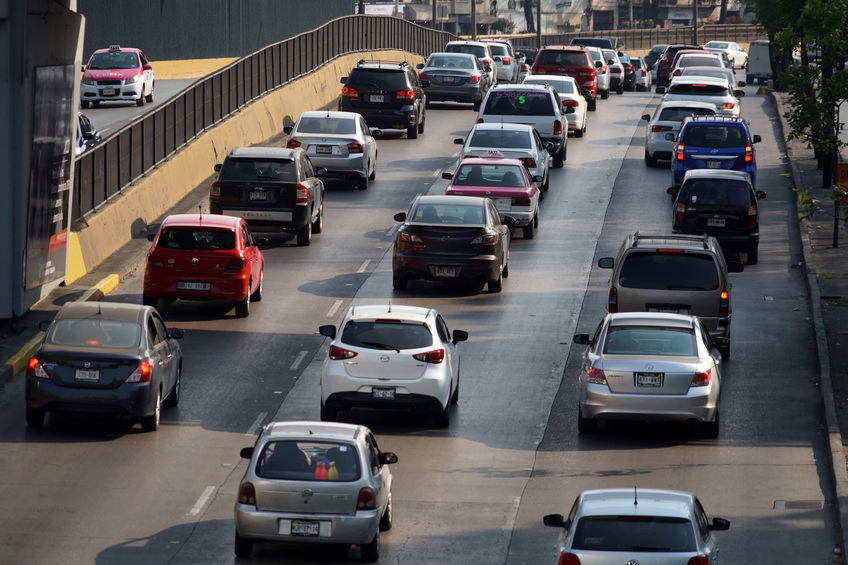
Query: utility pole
[
  {"x": 434, "y": 14},
  {"x": 539, "y": 23},
  {"x": 695, "y": 22},
  {"x": 631, "y": 14},
  {"x": 473, "y": 20}
]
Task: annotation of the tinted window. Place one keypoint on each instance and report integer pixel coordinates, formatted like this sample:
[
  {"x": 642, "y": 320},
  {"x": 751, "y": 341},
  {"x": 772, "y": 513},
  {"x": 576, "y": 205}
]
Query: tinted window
[
  {"x": 387, "y": 334},
  {"x": 488, "y": 175},
  {"x": 593, "y": 41},
  {"x": 477, "y": 50},
  {"x": 498, "y": 50},
  {"x": 698, "y": 61},
  {"x": 507, "y": 139},
  {"x": 519, "y": 102},
  {"x": 717, "y": 192},
  {"x": 447, "y": 214},
  {"x": 634, "y": 533},
  {"x": 197, "y": 239},
  {"x": 672, "y": 114},
  {"x": 448, "y": 62},
  {"x": 714, "y": 136},
  {"x": 308, "y": 460},
  {"x": 563, "y": 58},
  {"x": 378, "y": 79},
  {"x": 669, "y": 271},
  {"x": 330, "y": 126},
  {"x": 235, "y": 169},
  {"x": 701, "y": 89},
  {"x": 95, "y": 332},
  {"x": 634, "y": 340},
  {"x": 564, "y": 86}
]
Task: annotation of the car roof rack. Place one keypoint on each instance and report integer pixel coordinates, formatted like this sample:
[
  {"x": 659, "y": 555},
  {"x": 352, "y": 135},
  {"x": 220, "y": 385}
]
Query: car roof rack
[
  {"x": 380, "y": 62},
  {"x": 717, "y": 117},
  {"x": 637, "y": 237}
]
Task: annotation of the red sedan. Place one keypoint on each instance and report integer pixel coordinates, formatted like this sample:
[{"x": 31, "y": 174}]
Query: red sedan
[{"x": 204, "y": 257}]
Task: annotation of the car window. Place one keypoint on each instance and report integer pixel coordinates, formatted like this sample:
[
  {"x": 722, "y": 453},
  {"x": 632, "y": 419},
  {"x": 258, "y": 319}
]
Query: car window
[
  {"x": 632, "y": 533},
  {"x": 637, "y": 340},
  {"x": 714, "y": 136},
  {"x": 306, "y": 167},
  {"x": 196, "y": 239},
  {"x": 377, "y": 79},
  {"x": 563, "y": 86},
  {"x": 113, "y": 60},
  {"x": 448, "y": 62},
  {"x": 519, "y": 102},
  {"x": 153, "y": 333},
  {"x": 373, "y": 454},
  {"x": 327, "y": 125},
  {"x": 673, "y": 114},
  {"x": 387, "y": 334},
  {"x": 94, "y": 332},
  {"x": 245, "y": 237},
  {"x": 442, "y": 328},
  {"x": 488, "y": 175},
  {"x": 308, "y": 461},
  {"x": 703, "y": 523},
  {"x": 453, "y": 214},
  {"x": 494, "y": 215},
  {"x": 499, "y": 50},
  {"x": 716, "y": 192},
  {"x": 669, "y": 271},
  {"x": 236, "y": 169},
  {"x": 698, "y": 61},
  {"x": 563, "y": 58},
  {"x": 160, "y": 327},
  {"x": 501, "y": 138},
  {"x": 478, "y": 50}
]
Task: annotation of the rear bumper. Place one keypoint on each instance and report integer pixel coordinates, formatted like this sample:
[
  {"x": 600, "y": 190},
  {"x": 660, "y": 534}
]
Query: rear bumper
[
  {"x": 284, "y": 219},
  {"x": 416, "y": 402},
  {"x": 385, "y": 118},
  {"x": 358, "y": 528},
  {"x": 454, "y": 94},
  {"x": 159, "y": 283},
  {"x": 699, "y": 403},
  {"x": 340, "y": 166},
  {"x": 133, "y": 400},
  {"x": 478, "y": 268}
]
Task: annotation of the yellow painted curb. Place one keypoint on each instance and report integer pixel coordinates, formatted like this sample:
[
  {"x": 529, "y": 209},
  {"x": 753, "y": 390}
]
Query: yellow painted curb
[
  {"x": 107, "y": 284},
  {"x": 76, "y": 263},
  {"x": 20, "y": 359}
]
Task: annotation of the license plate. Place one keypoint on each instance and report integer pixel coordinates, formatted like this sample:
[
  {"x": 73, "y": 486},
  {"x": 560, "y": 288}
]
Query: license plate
[
  {"x": 503, "y": 204},
  {"x": 186, "y": 285},
  {"x": 713, "y": 164},
  {"x": 377, "y": 98},
  {"x": 649, "y": 379},
  {"x": 665, "y": 309},
  {"x": 448, "y": 80},
  {"x": 258, "y": 195},
  {"x": 87, "y": 376},
  {"x": 383, "y": 393},
  {"x": 305, "y": 528},
  {"x": 715, "y": 222},
  {"x": 323, "y": 149},
  {"x": 108, "y": 92},
  {"x": 444, "y": 271}
]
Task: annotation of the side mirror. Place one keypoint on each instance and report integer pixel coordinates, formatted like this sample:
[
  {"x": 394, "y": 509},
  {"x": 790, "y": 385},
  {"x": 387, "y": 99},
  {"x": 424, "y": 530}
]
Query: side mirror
[
  {"x": 176, "y": 333},
  {"x": 459, "y": 335},
  {"x": 320, "y": 172},
  {"x": 400, "y": 217},
  {"x": 246, "y": 452},
  {"x": 598, "y": 64},
  {"x": 376, "y": 132},
  {"x": 287, "y": 130},
  {"x": 554, "y": 521},
  {"x": 606, "y": 262},
  {"x": 424, "y": 83},
  {"x": 343, "y": 80},
  {"x": 738, "y": 93},
  {"x": 508, "y": 221},
  {"x": 646, "y": 117},
  {"x": 497, "y": 59},
  {"x": 735, "y": 267},
  {"x": 549, "y": 145},
  {"x": 670, "y": 137},
  {"x": 538, "y": 179},
  {"x": 760, "y": 194},
  {"x": 672, "y": 191},
  {"x": 660, "y": 90},
  {"x": 610, "y": 61},
  {"x": 447, "y": 176},
  {"x": 388, "y": 458},
  {"x": 419, "y": 66},
  {"x": 459, "y": 141},
  {"x": 82, "y": 68},
  {"x": 581, "y": 339},
  {"x": 262, "y": 241},
  {"x": 44, "y": 326},
  {"x": 147, "y": 67},
  {"x": 741, "y": 83},
  {"x": 720, "y": 524},
  {"x": 217, "y": 167},
  {"x": 757, "y": 138},
  {"x": 151, "y": 235},
  {"x": 328, "y": 331}
]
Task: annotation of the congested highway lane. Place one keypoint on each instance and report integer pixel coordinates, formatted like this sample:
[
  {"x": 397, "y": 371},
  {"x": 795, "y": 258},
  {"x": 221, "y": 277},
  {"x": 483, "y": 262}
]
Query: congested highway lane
[{"x": 475, "y": 492}]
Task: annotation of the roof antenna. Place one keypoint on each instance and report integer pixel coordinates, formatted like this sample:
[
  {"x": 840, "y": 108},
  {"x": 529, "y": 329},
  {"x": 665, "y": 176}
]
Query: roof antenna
[
  {"x": 200, "y": 213},
  {"x": 390, "y": 307},
  {"x": 635, "y": 498},
  {"x": 98, "y": 308}
]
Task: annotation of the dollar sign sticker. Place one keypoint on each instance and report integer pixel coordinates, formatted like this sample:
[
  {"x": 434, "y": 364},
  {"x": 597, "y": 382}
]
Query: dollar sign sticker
[{"x": 521, "y": 100}]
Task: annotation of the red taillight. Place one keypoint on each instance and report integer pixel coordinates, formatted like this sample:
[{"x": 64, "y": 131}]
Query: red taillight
[
  {"x": 586, "y": 73},
  {"x": 155, "y": 261},
  {"x": 141, "y": 373},
  {"x": 235, "y": 264},
  {"x": 569, "y": 102},
  {"x": 349, "y": 92},
  {"x": 678, "y": 152},
  {"x": 596, "y": 376},
  {"x": 727, "y": 106},
  {"x": 422, "y": 76},
  {"x": 658, "y": 129},
  {"x": 752, "y": 216},
  {"x": 602, "y": 69},
  {"x": 405, "y": 95},
  {"x": 644, "y": 73},
  {"x": 409, "y": 241},
  {"x": 367, "y": 499},
  {"x": 505, "y": 60},
  {"x": 486, "y": 239},
  {"x": 677, "y": 72},
  {"x": 247, "y": 494},
  {"x": 699, "y": 560},
  {"x": 529, "y": 162},
  {"x": 521, "y": 201},
  {"x": 335, "y": 353},
  {"x": 35, "y": 369},
  {"x": 479, "y": 120},
  {"x": 724, "y": 304},
  {"x": 436, "y": 356},
  {"x": 615, "y": 70},
  {"x": 292, "y": 144},
  {"x": 557, "y": 127},
  {"x": 612, "y": 301},
  {"x": 629, "y": 67},
  {"x": 215, "y": 190},
  {"x": 749, "y": 153},
  {"x": 568, "y": 559},
  {"x": 701, "y": 379},
  {"x": 679, "y": 210},
  {"x": 302, "y": 194},
  {"x": 355, "y": 147},
  {"x": 474, "y": 79}
]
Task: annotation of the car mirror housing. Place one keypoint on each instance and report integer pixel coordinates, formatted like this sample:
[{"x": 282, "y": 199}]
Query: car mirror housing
[
  {"x": 343, "y": 80},
  {"x": 720, "y": 524},
  {"x": 660, "y": 90},
  {"x": 217, "y": 167},
  {"x": 508, "y": 221},
  {"x": 262, "y": 241},
  {"x": 447, "y": 176},
  {"x": 646, "y": 117},
  {"x": 328, "y": 331},
  {"x": 419, "y": 66},
  {"x": 606, "y": 262},
  {"x": 246, "y": 452},
  {"x": 424, "y": 83},
  {"x": 320, "y": 172},
  {"x": 741, "y": 83},
  {"x": 400, "y": 217},
  {"x": 581, "y": 339},
  {"x": 459, "y": 335},
  {"x": 176, "y": 333},
  {"x": 738, "y": 93},
  {"x": 757, "y": 138},
  {"x": 554, "y": 520},
  {"x": 598, "y": 64},
  {"x": 44, "y": 325},
  {"x": 388, "y": 458},
  {"x": 735, "y": 267},
  {"x": 287, "y": 129},
  {"x": 459, "y": 141},
  {"x": 760, "y": 194}
]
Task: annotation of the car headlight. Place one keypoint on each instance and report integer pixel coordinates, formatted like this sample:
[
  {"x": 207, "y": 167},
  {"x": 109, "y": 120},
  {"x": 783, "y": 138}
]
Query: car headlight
[
  {"x": 132, "y": 79},
  {"x": 88, "y": 81}
]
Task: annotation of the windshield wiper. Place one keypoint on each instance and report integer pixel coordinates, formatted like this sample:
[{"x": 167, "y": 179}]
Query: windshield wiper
[{"x": 379, "y": 345}]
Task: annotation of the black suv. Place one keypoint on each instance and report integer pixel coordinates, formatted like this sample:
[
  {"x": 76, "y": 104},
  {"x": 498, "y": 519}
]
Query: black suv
[{"x": 387, "y": 94}]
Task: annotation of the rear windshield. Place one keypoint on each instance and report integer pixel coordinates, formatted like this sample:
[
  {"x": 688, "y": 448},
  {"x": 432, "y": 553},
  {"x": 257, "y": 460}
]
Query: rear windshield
[
  {"x": 634, "y": 533},
  {"x": 698, "y": 61},
  {"x": 593, "y": 41},
  {"x": 718, "y": 192},
  {"x": 450, "y": 62},
  {"x": 95, "y": 332},
  {"x": 656, "y": 270},
  {"x": 714, "y": 136},
  {"x": 501, "y": 138},
  {"x": 563, "y": 58},
  {"x": 448, "y": 214},
  {"x": 328, "y": 125},
  {"x": 113, "y": 61},
  {"x": 382, "y": 79},
  {"x": 197, "y": 239},
  {"x": 499, "y": 50},
  {"x": 308, "y": 461},
  {"x": 700, "y": 71},
  {"x": 488, "y": 175},
  {"x": 257, "y": 169},
  {"x": 700, "y": 89},
  {"x": 387, "y": 334},
  {"x": 672, "y": 114},
  {"x": 635, "y": 340},
  {"x": 478, "y": 50},
  {"x": 519, "y": 102}
]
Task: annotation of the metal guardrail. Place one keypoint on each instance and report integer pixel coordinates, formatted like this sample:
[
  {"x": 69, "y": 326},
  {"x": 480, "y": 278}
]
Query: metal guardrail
[{"x": 129, "y": 153}]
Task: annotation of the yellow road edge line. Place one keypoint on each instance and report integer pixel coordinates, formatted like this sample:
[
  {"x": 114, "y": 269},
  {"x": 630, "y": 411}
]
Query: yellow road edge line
[{"x": 107, "y": 284}]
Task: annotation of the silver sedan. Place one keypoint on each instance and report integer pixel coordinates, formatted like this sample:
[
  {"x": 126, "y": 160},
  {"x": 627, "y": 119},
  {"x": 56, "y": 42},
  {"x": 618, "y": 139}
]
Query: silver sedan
[
  {"x": 667, "y": 119},
  {"x": 649, "y": 366},
  {"x": 455, "y": 77}
]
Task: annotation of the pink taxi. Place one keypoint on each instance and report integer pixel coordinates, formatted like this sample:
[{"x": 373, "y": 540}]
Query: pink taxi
[
  {"x": 506, "y": 181},
  {"x": 117, "y": 73}
]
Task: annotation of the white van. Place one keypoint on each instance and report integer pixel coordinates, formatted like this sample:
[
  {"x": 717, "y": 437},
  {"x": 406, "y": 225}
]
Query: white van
[{"x": 759, "y": 62}]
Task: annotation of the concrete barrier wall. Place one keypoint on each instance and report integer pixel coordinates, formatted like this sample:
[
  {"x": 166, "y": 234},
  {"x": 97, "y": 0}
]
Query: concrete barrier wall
[{"x": 119, "y": 220}]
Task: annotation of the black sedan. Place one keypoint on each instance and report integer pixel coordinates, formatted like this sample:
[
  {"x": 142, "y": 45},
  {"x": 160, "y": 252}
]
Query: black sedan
[
  {"x": 107, "y": 358},
  {"x": 456, "y": 77},
  {"x": 629, "y": 73},
  {"x": 452, "y": 238}
]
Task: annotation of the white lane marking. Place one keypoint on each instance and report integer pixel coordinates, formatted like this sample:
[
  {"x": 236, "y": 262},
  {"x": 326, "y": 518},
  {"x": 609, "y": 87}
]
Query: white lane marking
[
  {"x": 513, "y": 514},
  {"x": 364, "y": 266},
  {"x": 334, "y": 308},
  {"x": 297, "y": 360},
  {"x": 202, "y": 501},
  {"x": 256, "y": 425},
  {"x": 437, "y": 172},
  {"x": 391, "y": 231}
]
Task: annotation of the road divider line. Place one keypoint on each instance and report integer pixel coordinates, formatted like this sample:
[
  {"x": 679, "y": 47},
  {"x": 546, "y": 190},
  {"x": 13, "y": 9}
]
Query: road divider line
[
  {"x": 363, "y": 266},
  {"x": 391, "y": 231},
  {"x": 256, "y": 425},
  {"x": 202, "y": 501},
  {"x": 334, "y": 308},
  {"x": 298, "y": 360}
]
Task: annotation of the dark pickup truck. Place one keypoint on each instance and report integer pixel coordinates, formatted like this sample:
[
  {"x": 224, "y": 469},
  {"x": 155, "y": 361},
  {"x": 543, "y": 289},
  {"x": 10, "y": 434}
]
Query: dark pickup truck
[{"x": 273, "y": 188}]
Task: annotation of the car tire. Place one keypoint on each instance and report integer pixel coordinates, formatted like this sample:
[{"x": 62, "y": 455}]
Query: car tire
[
  {"x": 149, "y": 97},
  {"x": 752, "y": 256},
  {"x": 173, "y": 399},
  {"x": 592, "y": 105},
  {"x": 496, "y": 285},
  {"x": 423, "y": 121},
  {"x": 529, "y": 231},
  {"x": 151, "y": 423},
  {"x": 725, "y": 351},
  {"x": 505, "y": 272},
  {"x": 442, "y": 418},
  {"x": 373, "y": 174},
  {"x": 455, "y": 396},
  {"x": 257, "y": 294},
  {"x": 559, "y": 158},
  {"x": 328, "y": 414},
  {"x": 412, "y": 132},
  {"x": 386, "y": 518},
  {"x": 620, "y": 89},
  {"x": 34, "y": 417},
  {"x": 147, "y": 300},
  {"x": 398, "y": 282},
  {"x": 370, "y": 552},
  {"x": 580, "y": 131},
  {"x": 547, "y": 184},
  {"x": 605, "y": 94},
  {"x": 362, "y": 183},
  {"x": 95, "y": 103},
  {"x": 304, "y": 235},
  {"x": 243, "y": 546},
  {"x": 243, "y": 307},
  {"x": 649, "y": 160},
  {"x": 140, "y": 100},
  {"x": 586, "y": 425},
  {"x": 318, "y": 224},
  {"x": 84, "y": 104},
  {"x": 710, "y": 430},
  {"x": 476, "y": 106}
]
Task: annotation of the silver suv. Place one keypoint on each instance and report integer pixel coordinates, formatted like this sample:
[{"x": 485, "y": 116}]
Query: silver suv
[{"x": 681, "y": 274}]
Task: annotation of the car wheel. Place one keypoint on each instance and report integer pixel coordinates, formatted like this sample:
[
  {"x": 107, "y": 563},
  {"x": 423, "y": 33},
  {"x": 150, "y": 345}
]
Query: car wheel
[
  {"x": 318, "y": 224},
  {"x": 710, "y": 429},
  {"x": 151, "y": 423},
  {"x": 328, "y": 414},
  {"x": 559, "y": 158},
  {"x": 443, "y": 417},
  {"x": 140, "y": 101},
  {"x": 752, "y": 256},
  {"x": 455, "y": 396},
  {"x": 34, "y": 417},
  {"x": 496, "y": 285},
  {"x": 386, "y": 518},
  {"x": 174, "y": 398},
  {"x": 304, "y": 235},
  {"x": 649, "y": 160},
  {"x": 725, "y": 351},
  {"x": 398, "y": 282},
  {"x": 243, "y": 546},
  {"x": 373, "y": 174},
  {"x": 620, "y": 89},
  {"x": 586, "y": 425},
  {"x": 243, "y": 307},
  {"x": 257, "y": 294},
  {"x": 547, "y": 183},
  {"x": 592, "y": 105},
  {"x": 362, "y": 183},
  {"x": 605, "y": 94},
  {"x": 149, "y": 97},
  {"x": 529, "y": 231},
  {"x": 84, "y": 104},
  {"x": 95, "y": 103},
  {"x": 423, "y": 121},
  {"x": 476, "y": 106},
  {"x": 579, "y": 132},
  {"x": 148, "y": 300},
  {"x": 412, "y": 132},
  {"x": 371, "y": 551},
  {"x": 505, "y": 272}
]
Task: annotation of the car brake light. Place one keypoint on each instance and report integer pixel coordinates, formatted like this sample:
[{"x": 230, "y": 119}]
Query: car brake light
[
  {"x": 679, "y": 211},
  {"x": 405, "y": 95},
  {"x": 355, "y": 147},
  {"x": 521, "y": 201},
  {"x": 436, "y": 356},
  {"x": 727, "y": 106},
  {"x": 615, "y": 70},
  {"x": 572, "y": 103},
  {"x": 155, "y": 261},
  {"x": 670, "y": 250},
  {"x": 292, "y": 144},
  {"x": 141, "y": 373},
  {"x": 568, "y": 559},
  {"x": 677, "y": 72},
  {"x": 505, "y": 60},
  {"x": 658, "y": 129},
  {"x": 529, "y": 162},
  {"x": 479, "y": 120},
  {"x": 701, "y": 379},
  {"x": 724, "y": 304},
  {"x": 422, "y": 76},
  {"x": 644, "y": 73},
  {"x": 36, "y": 369},
  {"x": 699, "y": 560},
  {"x": 215, "y": 190},
  {"x": 699, "y": 85},
  {"x": 247, "y": 494},
  {"x": 557, "y": 127},
  {"x": 596, "y": 376},
  {"x": 302, "y": 194},
  {"x": 349, "y": 92},
  {"x": 629, "y": 67},
  {"x": 367, "y": 499},
  {"x": 486, "y": 239},
  {"x": 408, "y": 241},
  {"x": 474, "y": 79},
  {"x": 235, "y": 264},
  {"x": 612, "y": 301},
  {"x": 679, "y": 151},
  {"x": 335, "y": 353},
  {"x": 749, "y": 153},
  {"x": 752, "y": 216}
]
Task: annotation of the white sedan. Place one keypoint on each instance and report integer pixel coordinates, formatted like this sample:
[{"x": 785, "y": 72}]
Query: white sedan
[
  {"x": 735, "y": 54},
  {"x": 569, "y": 95}
]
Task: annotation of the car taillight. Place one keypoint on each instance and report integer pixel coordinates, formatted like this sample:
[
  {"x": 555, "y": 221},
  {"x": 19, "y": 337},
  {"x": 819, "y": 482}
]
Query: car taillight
[
  {"x": 292, "y": 144},
  {"x": 36, "y": 369},
  {"x": 408, "y": 241},
  {"x": 602, "y": 69},
  {"x": 367, "y": 499},
  {"x": 658, "y": 129},
  {"x": 701, "y": 379},
  {"x": 699, "y": 560},
  {"x": 644, "y": 73},
  {"x": 436, "y": 356},
  {"x": 568, "y": 559},
  {"x": 155, "y": 261},
  {"x": 727, "y": 106},
  {"x": 505, "y": 60},
  {"x": 586, "y": 73},
  {"x": 612, "y": 301},
  {"x": 677, "y": 72},
  {"x": 615, "y": 70},
  {"x": 247, "y": 494},
  {"x": 141, "y": 373},
  {"x": 302, "y": 194},
  {"x": 679, "y": 210},
  {"x": 215, "y": 190},
  {"x": 752, "y": 216},
  {"x": 235, "y": 264},
  {"x": 422, "y": 76},
  {"x": 678, "y": 152},
  {"x": 355, "y": 147},
  {"x": 486, "y": 239},
  {"x": 629, "y": 67},
  {"x": 349, "y": 92},
  {"x": 568, "y": 102},
  {"x": 335, "y": 353},
  {"x": 474, "y": 79},
  {"x": 405, "y": 95},
  {"x": 724, "y": 304},
  {"x": 529, "y": 162},
  {"x": 521, "y": 201},
  {"x": 557, "y": 127},
  {"x": 596, "y": 376},
  {"x": 487, "y": 61},
  {"x": 749, "y": 153},
  {"x": 479, "y": 120}
]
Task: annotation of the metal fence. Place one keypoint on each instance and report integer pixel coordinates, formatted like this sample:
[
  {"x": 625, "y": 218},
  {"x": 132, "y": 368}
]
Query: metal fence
[{"x": 129, "y": 153}]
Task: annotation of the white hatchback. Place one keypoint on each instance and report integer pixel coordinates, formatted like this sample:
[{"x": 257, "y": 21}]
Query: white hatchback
[
  {"x": 602, "y": 70},
  {"x": 391, "y": 357},
  {"x": 667, "y": 119},
  {"x": 569, "y": 94}
]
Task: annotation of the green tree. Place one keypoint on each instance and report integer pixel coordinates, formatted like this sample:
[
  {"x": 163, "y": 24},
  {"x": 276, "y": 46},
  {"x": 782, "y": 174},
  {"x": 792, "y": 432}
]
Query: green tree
[{"x": 503, "y": 25}]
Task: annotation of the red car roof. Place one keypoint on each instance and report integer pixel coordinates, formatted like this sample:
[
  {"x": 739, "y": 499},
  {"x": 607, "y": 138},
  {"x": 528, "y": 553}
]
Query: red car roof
[{"x": 202, "y": 220}]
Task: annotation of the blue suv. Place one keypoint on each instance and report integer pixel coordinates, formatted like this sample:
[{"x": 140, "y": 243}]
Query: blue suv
[{"x": 713, "y": 142}]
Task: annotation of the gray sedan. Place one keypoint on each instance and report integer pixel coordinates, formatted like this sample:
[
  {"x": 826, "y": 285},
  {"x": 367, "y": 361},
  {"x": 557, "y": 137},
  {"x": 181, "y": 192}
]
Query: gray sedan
[
  {"x": 456, "y": 77},
  {"x": 649, "y": 366}
]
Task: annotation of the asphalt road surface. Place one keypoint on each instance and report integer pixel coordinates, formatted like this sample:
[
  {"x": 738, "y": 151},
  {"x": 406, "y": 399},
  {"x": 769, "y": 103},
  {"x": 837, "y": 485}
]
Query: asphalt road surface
[{"x": 88, "y": 490}]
